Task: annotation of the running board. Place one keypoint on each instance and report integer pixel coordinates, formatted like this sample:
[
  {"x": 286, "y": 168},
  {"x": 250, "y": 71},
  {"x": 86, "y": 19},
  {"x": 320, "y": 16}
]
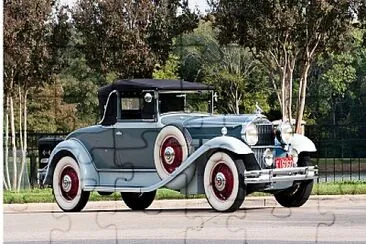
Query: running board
[{"x": 117, "y": 189}]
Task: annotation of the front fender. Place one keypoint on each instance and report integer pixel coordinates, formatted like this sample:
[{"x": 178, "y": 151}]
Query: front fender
[
  {"x": 302, "y": 144},
  {"x": 73, "y": 147},
  {"x": 179, "y": 177},
  {"x": 228, "y": 143}
]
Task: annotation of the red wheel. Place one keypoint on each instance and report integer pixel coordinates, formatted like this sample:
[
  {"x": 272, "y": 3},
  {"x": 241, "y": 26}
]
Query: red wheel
[
  {"x": 224, "y": 182},
  {"x": 67, "y": 187},
  {"x": 69, "y": 183},
  {"x": 170, "y": 150},
  {"x": 171, "y": 154}
]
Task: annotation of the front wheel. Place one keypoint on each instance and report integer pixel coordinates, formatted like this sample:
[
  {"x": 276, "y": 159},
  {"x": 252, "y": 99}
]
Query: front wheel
[
  {"x": 224, "y": 182},
  {"x": 299, "y": 192},
  {"x": 67, "y": 186},
  {"x": 138, "y": 201}
]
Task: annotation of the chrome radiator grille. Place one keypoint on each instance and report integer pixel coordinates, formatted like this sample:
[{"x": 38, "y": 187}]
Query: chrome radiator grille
[
  {"x": 265, "y": 134},
  {"x": 258, "y": 153}
]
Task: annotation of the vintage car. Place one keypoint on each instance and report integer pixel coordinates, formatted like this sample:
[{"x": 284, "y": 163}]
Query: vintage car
[{"x": 147, "y": 139}]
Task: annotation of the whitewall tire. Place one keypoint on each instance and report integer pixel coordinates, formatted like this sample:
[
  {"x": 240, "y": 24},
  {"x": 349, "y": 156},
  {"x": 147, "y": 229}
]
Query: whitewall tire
[
  {"x": 224, "y": 182},
  {"x": 67, "y": 186},
  {"x": 170, "y": 150}
]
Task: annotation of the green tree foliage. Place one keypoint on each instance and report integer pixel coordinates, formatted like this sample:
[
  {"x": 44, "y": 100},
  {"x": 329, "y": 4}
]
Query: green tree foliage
[
  {"x": 286, "y": 36},
  {"x": 329, "y": 82},
  {"x": 336, "y": 86},
  {"x": 80, "y": 84},
  {"x": 169, "y": 70},
  {"x": 48, "y": 112},
  {"x": 32, "y": 44},
  {"x": 80, "y": 87},
  {"x": 167, "y": 24},
  {"x": 231, "y": 70},
  {"x": 129, "y": 37}
]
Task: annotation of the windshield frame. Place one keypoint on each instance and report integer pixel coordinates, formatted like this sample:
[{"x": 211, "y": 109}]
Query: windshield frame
[{"x": 210, "y": 93}]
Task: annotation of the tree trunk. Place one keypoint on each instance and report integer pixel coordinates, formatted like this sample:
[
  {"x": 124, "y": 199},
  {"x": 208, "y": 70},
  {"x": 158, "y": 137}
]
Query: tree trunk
[
  {"x": 301, "y": 99},
  {"x": 290, "y": 76},
  {"x": 283, "y": 94},
  {"x": 20, "y": 138},
  {"x": 236, "y": 101},
  {"x": 12, "y": 125},
  {"x": 7, "y": 178},
  {"x": 5, "y": 184},
  {"x": 23, "y": 137},
  {"x": 276, "y": 88}
]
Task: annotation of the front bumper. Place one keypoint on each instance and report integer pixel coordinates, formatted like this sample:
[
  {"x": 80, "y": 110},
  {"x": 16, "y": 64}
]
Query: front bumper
[{"x": 281, "y": 175}]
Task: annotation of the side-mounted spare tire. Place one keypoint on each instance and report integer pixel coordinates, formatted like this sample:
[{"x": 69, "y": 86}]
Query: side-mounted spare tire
[{"x": 172, "y": 147}]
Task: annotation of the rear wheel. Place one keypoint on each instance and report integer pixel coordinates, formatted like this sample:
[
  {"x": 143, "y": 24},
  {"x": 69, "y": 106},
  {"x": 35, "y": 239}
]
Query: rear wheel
[
  {"x": 138, "y": 201},
  {"x": 67, "y": 186},
  {"x": 224, "y": 182},
  {"x": 299, "y": 192}
]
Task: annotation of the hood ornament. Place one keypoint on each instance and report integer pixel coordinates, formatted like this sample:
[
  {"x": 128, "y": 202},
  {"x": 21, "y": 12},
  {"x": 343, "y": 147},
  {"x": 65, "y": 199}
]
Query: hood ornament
[{"x": 258, "y": 110}]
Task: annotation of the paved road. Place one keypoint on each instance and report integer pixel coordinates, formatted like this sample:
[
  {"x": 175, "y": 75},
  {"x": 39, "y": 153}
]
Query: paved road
[{"x": 325, "y": 219}]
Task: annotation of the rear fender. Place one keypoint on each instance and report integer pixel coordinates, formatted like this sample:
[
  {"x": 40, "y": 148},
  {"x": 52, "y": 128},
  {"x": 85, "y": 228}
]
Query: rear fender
[{"x": 74, "y": 148}]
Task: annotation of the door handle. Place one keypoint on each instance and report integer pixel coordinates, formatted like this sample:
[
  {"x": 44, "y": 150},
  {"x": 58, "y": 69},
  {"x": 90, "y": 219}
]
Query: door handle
[{"x": 118, "y": 133}]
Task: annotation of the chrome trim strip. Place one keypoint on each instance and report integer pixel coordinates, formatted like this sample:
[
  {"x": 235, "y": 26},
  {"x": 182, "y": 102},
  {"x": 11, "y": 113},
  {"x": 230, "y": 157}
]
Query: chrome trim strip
[
  {"x": 261, "y": 147},
  {"x": 106, "y": 104},
  {"x": 126, "y": 170},
  {"x": 278, "y": 175},
  {"x": 184, "y": 91},
  {"x": 112, "y": 188}
]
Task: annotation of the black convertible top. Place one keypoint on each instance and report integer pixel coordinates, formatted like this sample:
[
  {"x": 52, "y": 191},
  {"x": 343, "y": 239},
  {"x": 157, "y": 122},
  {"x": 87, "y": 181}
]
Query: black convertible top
[
  {"x": 151, "y": 84},
  {"x": 137, "y": 85}
]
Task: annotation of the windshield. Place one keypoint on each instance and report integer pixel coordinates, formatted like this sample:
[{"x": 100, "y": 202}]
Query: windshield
[{"x": 185, "y": 102}]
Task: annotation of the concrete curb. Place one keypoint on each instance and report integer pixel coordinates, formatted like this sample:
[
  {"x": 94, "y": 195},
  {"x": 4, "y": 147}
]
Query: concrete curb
[{"x": 267, "y": 201}]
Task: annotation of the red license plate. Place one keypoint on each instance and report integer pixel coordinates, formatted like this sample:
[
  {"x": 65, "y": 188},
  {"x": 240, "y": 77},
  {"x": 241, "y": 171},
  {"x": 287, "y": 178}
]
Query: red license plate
[{"x": 286, "y": 162}]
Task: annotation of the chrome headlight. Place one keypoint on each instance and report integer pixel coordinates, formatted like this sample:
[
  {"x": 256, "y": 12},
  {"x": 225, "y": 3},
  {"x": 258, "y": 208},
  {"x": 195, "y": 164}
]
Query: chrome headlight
[
  {"x": 268, "y": 157},
  {"x": 285, "y": 133},
  {"x": 249, "y": 134}
]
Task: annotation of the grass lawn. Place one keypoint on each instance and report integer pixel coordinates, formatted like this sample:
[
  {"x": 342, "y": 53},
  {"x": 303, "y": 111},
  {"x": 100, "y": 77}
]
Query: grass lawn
[{"x": 45, "y": 195}]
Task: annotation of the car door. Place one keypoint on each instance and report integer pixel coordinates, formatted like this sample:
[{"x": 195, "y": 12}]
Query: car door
[
  {"x": 136, "y": 131},
  {"x": 135, "y": 145}
]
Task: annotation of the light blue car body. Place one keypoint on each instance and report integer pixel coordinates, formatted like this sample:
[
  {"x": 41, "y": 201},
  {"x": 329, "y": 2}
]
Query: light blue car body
[
  {"x": 110, "y": 163},
  {"x": 118, "y": 155}
]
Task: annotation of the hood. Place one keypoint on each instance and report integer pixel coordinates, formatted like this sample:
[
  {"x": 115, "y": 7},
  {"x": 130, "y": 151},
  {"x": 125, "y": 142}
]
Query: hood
[{"x": 208, "y": 120}]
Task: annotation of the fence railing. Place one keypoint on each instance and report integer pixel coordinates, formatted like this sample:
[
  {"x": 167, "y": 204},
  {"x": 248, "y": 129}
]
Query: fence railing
[
  {"x": 341, "y": 151},
  {"x": 340, "y": 156}
]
